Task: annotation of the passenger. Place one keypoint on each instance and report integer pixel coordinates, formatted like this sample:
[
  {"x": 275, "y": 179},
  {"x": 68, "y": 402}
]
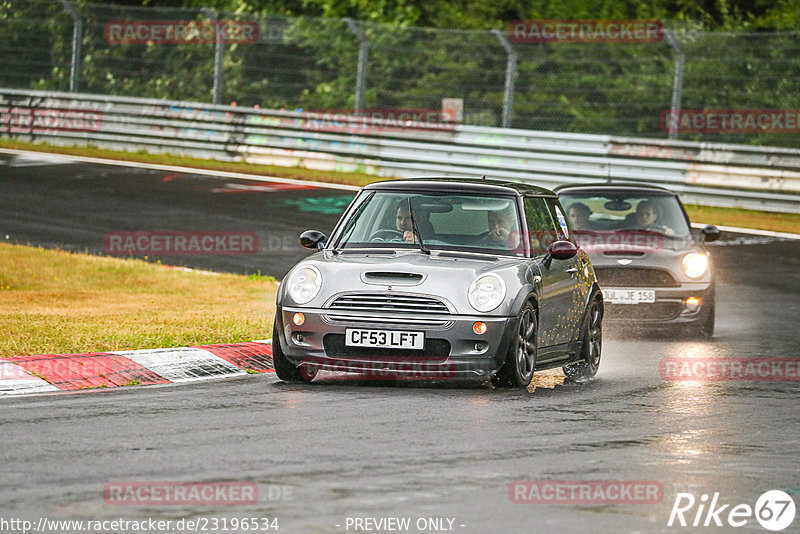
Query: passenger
[{"x": 578, "y": 215}]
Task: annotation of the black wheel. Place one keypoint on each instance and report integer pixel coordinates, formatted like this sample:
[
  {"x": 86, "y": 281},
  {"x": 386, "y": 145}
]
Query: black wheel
[
  {"x": 517, "y": 371},
  {"x": 384, "y": 235},
  {"x": 286, "y": 370},
  {"x": 591, "y": 344}
]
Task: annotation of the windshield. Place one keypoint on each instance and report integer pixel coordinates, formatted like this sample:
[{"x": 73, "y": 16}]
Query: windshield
[
  {"x": 624, "y": 212},
  {"x": 470, "y": 223}
]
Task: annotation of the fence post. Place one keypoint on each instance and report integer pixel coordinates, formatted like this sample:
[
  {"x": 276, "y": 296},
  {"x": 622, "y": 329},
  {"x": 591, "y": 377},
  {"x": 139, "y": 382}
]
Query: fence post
[
  {"x": 677, "y": 83},
  {"x": 219, "y": 55},
  {"x": 77, "y": 32},
  {"x": 363, "y": 55},
  {"x": 511, "y": 75}
]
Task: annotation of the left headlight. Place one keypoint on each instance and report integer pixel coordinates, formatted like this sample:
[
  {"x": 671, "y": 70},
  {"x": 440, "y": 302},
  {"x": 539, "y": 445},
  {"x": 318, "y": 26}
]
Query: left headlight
[
  {"x": 486, "y": 292},
  {"x": 305, "y": 284},
  {"x": 695, "y": 265}
]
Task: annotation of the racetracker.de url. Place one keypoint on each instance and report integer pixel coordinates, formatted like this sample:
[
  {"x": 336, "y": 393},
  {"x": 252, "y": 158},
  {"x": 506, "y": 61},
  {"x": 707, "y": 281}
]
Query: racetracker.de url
[{"x": 141, "y": 526}]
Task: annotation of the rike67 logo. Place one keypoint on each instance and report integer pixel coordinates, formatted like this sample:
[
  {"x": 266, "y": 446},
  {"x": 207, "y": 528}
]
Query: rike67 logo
[{"x": 774, "y": 510}]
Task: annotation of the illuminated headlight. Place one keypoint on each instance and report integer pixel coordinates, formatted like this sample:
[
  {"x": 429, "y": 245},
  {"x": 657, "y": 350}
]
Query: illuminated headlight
[
  {"x": 486, "y": 292},
  {"x": 695, "y": 265},
  {"x": 304, "y": 284}
]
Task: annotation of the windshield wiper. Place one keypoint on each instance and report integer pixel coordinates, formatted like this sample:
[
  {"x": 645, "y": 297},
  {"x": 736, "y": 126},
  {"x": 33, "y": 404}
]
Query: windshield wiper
[
  {"x": 345, "y": 234},
  {"x": 415, "y": 229}
]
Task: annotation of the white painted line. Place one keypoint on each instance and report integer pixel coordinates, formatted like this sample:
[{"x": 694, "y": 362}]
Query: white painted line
[
  {"x": 188, "y": 170},
  {"x": 190, "y": 270},
  {"x": 14, "y": 380},
  {"x": 182, "y": 364},
  {"x": 38, "y": 159},
  {"x": 751, "y": 231},
  {"x": 265, "y": 341}
]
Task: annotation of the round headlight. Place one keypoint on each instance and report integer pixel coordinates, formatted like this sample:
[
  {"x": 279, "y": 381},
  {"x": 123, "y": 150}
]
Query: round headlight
[
  {"x": 486, "y": 292},
  {"x": 304, "y": 284},
  {"x": 695, "y": 265}
]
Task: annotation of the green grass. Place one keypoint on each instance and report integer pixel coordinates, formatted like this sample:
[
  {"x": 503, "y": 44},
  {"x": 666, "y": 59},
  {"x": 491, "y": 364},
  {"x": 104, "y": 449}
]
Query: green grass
[
  {"x": 762, "y": 220},
  {"x": 53, "y": 301},
  {"x": 296, "y": 173}
]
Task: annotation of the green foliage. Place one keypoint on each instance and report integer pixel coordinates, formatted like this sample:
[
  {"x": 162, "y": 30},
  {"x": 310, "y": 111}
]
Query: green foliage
[{"x": 734, "y": 58}]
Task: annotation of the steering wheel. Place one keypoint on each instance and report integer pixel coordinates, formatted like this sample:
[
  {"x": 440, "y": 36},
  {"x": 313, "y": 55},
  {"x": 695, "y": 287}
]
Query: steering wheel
[{"x": 385, "y": 235}]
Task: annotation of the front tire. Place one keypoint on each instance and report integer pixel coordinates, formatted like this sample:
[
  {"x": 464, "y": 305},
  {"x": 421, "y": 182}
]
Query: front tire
[
  {"x": 591, "y": 344},
  {"x": 517, "y": 370},
  {"x": 286, "y": 370},
  {"x": 706, "y": 328}
]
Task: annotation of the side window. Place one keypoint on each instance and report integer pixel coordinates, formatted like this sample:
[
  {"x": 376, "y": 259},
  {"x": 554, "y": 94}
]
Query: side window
[
  {"x": 541, "y": 228},
  {"x": 562, "y": 228}
]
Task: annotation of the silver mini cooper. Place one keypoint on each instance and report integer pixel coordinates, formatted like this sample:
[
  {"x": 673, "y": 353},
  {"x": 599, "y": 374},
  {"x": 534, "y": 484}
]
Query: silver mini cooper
[
  {"x": 445, "y": 279},
  {"x": 653, "y": 271}
]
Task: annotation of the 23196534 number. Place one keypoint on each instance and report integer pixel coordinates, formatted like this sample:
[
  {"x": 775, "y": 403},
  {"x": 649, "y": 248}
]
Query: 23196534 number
[{"x": 234, "y": 524}]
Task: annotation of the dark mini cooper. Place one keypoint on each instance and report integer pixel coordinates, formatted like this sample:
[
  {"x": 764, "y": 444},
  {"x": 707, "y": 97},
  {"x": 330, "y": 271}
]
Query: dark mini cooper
[
  {"x": 446, "y": 279},
  {"x": 651, "y": 267}
]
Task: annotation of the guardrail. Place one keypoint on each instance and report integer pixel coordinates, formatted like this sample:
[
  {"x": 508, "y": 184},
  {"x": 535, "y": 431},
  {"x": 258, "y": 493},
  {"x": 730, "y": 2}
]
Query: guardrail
[{"x": 726, "y": 175}]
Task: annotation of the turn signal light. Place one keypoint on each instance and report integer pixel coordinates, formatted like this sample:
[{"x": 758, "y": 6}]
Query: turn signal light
[
  {"x": 692, "y": 303},
  {"x": 479, "y": 327},
  {"x": 298, "y": 318}
]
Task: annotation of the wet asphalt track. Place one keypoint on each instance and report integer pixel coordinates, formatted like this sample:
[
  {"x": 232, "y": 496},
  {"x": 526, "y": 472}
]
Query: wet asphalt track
[{"x": 353, "y": 450}]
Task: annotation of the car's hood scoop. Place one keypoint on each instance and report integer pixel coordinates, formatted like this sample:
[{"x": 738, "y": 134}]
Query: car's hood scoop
[{"x": 398, "y": 278}]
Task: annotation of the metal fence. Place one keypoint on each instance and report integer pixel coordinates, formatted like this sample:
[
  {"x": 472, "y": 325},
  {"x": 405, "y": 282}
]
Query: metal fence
[
  {"x": 723, "y": 175},
  {"x": 315, "y": 63}
]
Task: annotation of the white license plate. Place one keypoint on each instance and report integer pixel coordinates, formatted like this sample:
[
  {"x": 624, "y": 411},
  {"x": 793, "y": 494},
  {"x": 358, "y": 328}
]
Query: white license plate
[
  {"x": 387, "y": 339},
  {"x": 629, "y": 296}
]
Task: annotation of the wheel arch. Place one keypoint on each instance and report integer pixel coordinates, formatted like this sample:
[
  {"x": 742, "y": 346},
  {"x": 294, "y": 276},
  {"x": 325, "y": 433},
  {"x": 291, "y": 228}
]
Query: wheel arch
[{"x": 525, "y": 295}]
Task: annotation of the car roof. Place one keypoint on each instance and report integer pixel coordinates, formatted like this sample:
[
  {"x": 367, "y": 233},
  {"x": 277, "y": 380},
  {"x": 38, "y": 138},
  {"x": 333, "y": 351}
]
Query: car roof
[
  {"x": 461, "y": 185},
  {"x": 605, "y": 187}
]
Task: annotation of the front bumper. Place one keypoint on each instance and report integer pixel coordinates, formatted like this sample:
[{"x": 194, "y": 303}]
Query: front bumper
[
  {"x": 452, "y": 350},
  {"x": 670, "y": 306}
]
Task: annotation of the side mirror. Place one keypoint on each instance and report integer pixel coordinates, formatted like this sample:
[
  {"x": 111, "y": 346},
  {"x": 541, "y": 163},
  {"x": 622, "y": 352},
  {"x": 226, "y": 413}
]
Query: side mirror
[
  {"x": 708, "y": 234},
  {"x": 562, "y": 250},
  {"x": 559, "y": 250},
  {"x": 313, "y": 239}
]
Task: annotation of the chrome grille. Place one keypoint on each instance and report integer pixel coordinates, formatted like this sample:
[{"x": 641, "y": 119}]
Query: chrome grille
[
  {"x": 390, "y": 322},
  {"x": 634, "y": 277},
  {"x": 387, "y": 302}
]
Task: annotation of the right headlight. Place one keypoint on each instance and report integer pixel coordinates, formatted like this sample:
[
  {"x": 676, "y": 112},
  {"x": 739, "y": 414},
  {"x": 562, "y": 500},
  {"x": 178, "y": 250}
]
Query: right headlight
[
  {"x": 304, "y": 284},
  {"x": 695, "y": 265},
  {"x": 486, "y": 292}
]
